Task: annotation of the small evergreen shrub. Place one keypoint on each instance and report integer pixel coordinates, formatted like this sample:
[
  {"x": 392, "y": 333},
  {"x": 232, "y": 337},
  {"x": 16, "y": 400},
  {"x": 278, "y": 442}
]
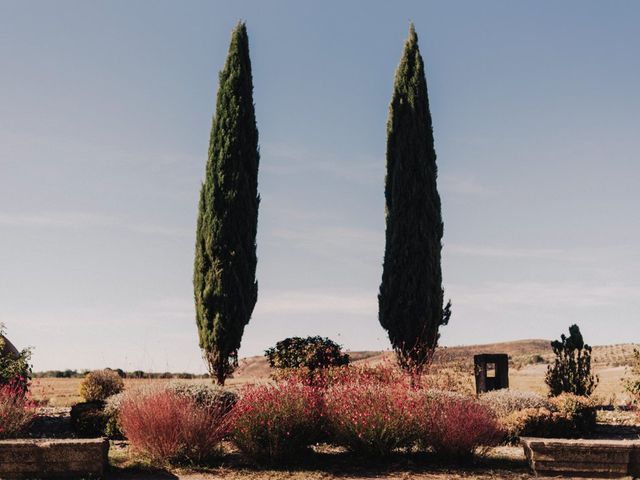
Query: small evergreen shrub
[
  {"x": 456, "y": 427},
  {"x": 277, "y": 422},
  {"x": 88, "y": 419},
  {"x": 311, "y": 353},
  {"x": 571, "y": 371},
  {"x": 535, "y": 422},
  {"x": 504, "y": 402},
  {"x": 371, "y": 418},
  {"x": 112, "y": 426},
  {"x": 169, "y": 428},
  {"x": 16, "y": 410},
  {"x": 100, "y": 384},
  {"x": 565, "y": 416},
  {"x": 581, "y": 411}
]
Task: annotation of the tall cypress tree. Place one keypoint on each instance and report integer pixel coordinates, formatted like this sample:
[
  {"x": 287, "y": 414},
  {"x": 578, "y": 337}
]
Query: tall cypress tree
[
  {"x": 224, "y": 277},
  {"x": 411, "y": 295}
]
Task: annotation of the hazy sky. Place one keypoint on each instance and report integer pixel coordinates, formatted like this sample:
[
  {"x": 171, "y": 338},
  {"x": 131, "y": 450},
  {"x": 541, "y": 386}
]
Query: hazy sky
[{"x": 105, "y": 112}]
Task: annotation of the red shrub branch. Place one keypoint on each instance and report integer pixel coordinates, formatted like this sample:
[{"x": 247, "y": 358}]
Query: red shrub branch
[
  {"x": 277, "y": 422},
  {"x": 166, "y": 426}
]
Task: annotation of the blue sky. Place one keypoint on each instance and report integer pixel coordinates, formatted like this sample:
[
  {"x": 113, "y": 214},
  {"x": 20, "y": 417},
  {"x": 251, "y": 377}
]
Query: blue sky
[{"x": 105, "y": 111}]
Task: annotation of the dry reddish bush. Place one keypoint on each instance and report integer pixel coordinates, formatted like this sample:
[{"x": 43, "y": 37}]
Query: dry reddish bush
[
  {"x": 168, "y": 427},
  {"x": 277, "y": 422},
  {"x": 455, "y": 427},
  {"x": 17, "y": 410},
  {"x": 349, "y": 374},
  {"x": 370, "y": 417}
]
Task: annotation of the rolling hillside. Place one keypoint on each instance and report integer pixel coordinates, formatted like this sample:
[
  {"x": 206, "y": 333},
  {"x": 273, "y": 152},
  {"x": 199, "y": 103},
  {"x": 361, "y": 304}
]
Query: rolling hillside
[{"x": 522, "y": 353}]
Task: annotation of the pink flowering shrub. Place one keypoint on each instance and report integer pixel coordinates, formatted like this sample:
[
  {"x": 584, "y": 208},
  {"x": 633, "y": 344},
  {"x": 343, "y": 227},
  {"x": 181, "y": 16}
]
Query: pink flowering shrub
[
  {"x": 17, "y": 410},
  {"x": 382, "y": 374},
  {"x": 370, "y": 417},
  {"x": 168, "y": 427},
  {"x": 277, "y": 422},
  {"x": 455, "y": 426}
]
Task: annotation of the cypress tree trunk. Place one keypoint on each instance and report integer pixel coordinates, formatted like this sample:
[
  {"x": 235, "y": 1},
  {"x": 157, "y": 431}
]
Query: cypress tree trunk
[
  {"x": 224, "y": 277},
  {"x": 411, "y": 296}
]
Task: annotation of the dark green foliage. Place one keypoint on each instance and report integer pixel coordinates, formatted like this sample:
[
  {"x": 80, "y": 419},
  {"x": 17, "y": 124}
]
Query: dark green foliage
[
  {"x": 14, "y": 365},
  {"x": 224, "y": 280},
  {"x": 568, "y": 416},
  {"x": 88, "y": 419},
  {"x": 59, "y": 374},
  {"x": 310, "y": 352},
  {"x": 580, "y": 409},
  {"x": 411, "y": 295},
  {"x": 571, "y": 371},
  {"x": 111, "y": 413}
]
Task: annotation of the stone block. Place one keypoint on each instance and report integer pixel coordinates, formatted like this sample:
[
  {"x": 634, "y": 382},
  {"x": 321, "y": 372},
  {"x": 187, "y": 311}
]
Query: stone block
[
  {"x": 60, "y": 458},
  {"x": 588, "y": 458}
]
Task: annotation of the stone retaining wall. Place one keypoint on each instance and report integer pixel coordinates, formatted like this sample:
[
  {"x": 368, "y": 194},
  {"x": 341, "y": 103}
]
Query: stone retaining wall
[
  {"x": 586, "y": 458},
  {"x": 60, "y": 458}
]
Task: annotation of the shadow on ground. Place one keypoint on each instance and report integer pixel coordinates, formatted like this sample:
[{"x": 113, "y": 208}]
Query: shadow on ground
[{"x": 326, "y": 463}]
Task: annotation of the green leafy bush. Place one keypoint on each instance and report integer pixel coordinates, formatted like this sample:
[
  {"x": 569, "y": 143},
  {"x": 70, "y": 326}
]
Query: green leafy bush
[
  {"x": 534, "y": 422},
  {"x": 565, "y": 416},
  {"x": 15, "y": 368},
  {"x": 112, "y": 426},
  {"x": 571, "y": 371},
  {"x": 100, "y": 384},
  {"x": 580, "y": 410},
  {"x": 88, "y": 419},
  {"x": 311, "y": 353}
]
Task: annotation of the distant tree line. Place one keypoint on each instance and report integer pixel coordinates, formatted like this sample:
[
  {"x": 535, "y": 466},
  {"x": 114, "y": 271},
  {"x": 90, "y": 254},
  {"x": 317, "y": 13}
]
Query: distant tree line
[{"x": 119, "y": 371}]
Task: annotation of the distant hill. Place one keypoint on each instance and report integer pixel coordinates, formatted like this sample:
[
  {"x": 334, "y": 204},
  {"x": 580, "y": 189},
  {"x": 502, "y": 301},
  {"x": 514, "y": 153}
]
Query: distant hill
[{"x": 521, "y": 354}]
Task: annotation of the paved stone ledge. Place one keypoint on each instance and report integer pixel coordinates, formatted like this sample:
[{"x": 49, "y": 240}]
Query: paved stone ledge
[
  {"x": 48, "y": 458},
  {"x": 584, "y": 458}
]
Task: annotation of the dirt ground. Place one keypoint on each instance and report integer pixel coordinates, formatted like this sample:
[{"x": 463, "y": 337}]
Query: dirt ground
[{"x": 502, "y": 462}]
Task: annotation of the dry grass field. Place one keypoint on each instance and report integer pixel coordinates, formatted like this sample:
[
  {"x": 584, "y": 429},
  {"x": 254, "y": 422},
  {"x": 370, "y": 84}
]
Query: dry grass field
[{"x": 528, "y": 364}]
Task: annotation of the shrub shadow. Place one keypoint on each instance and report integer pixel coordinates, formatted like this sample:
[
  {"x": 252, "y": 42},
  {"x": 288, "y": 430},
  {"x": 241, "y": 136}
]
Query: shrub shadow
[{"x": 341, "y": 463}]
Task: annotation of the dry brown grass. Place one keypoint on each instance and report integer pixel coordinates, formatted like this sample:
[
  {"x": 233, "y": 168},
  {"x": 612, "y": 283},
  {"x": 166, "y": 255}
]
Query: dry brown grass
[{"x": 64, "y": 392}]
